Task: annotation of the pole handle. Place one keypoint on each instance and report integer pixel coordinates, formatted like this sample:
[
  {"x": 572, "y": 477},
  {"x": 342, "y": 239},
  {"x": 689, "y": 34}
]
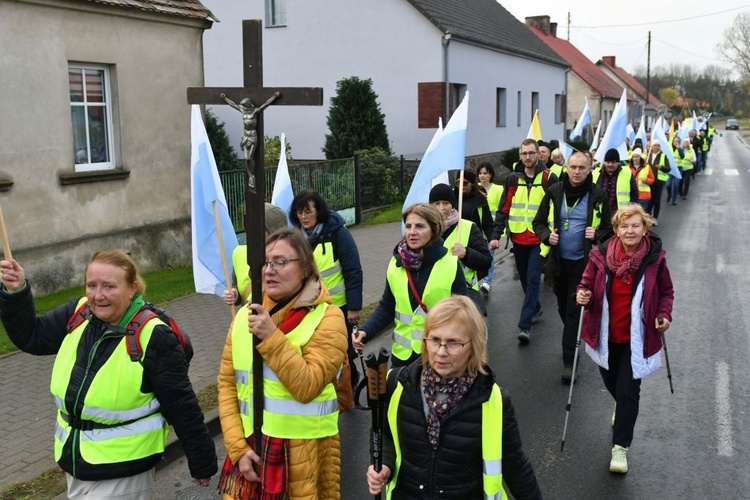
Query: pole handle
[{"x": 4, "y": 237}]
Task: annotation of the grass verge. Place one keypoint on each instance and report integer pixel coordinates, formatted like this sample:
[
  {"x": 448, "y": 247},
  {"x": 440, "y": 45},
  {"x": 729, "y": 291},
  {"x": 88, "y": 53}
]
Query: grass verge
[
  {"x": 47, "y": 485},
  {"x": 391, "y": 213}
]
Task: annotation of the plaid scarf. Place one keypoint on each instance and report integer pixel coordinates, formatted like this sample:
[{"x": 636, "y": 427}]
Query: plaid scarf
[
  {"x": 625, "y": 266},
  {"x": 274, "y": 460},
  {"x": 442, "y": 396},
  {"x": 409, "y": 258}
]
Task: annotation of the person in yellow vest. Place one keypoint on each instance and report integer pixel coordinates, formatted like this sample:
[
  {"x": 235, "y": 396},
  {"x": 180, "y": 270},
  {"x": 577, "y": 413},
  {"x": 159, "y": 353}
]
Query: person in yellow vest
[
  {"x": 486, "y": 176},
  {"x": 452, "y": 431},
  {"x": 616, "y": 181},
  {"x": 643, "y": 175},
  {"x": 420, "y": 274},
  {"x": 275, "y": 219},
  {"x": 659, "y": 164},
  {"x": 470, "y": 246},
  {"x": 558, "y": 162},
  {"x": 524, "y": 190},
  {"x": 475, "y": 205},
  {"x": 572, "y": 216},
  {"x": 687, "y": 162},
  {"x": 303, "y": 345},
  {"x": 113, "y": 413}
]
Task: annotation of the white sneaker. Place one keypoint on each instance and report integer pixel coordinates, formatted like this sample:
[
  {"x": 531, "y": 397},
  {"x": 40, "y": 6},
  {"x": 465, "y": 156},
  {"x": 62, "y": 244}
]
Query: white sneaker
[
  {"x": 485, "y": 287},
  {"x": 619, "y": 462}
]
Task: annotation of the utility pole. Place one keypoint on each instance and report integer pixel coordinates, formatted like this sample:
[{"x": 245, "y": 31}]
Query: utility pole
[
  {"x": 568, "y": 25},
  {"x": 648, "y": 69}
]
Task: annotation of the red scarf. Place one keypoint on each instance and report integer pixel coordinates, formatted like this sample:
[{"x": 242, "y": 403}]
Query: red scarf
[
  {"x": 274, "y": 460},
  {"x": 625, "y": 266}
]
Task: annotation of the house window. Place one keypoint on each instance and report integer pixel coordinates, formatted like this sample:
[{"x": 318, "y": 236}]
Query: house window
[
  {"x": 534, "y": 104},
  {"x": 91, "y": 114},
  {"x": 518, "y": 110},
  {"x": 457, "y": 93},
  {"x": 559, "y": 108},
  {"x": 501, "y": 106},
  {"x": 276, "y": 12}
]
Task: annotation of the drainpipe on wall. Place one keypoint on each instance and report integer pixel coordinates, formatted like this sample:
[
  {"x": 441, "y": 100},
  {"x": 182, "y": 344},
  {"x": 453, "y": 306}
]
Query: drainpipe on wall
[{"x": 446, "y": 42}]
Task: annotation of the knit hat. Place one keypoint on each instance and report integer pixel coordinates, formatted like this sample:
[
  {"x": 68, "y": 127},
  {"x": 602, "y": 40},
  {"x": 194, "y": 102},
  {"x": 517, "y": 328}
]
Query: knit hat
[
  {"x": 637, "y": 152},
  {"x": 612, "y": 155},
  {"x": 275, "y": 218},
  {"x": 442, "y": 192},
  {"x": 469, "y": 175}
]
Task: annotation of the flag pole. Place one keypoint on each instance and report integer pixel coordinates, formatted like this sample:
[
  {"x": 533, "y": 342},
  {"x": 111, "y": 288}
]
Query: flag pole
[
  {"x": 460, "y": 204},
  {"x": 4, "y": 237},
  {"x": 227, "y": 276}
]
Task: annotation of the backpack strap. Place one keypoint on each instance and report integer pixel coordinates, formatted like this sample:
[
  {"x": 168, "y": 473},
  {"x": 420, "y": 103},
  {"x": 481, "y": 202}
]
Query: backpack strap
[
  {"x": 83, "y": 313},
  {"x": 133, "y": 331}
]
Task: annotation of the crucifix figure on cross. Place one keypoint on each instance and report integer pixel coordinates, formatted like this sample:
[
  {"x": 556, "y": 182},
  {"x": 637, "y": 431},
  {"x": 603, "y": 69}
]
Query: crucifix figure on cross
[{"x": 252, "y": 144}]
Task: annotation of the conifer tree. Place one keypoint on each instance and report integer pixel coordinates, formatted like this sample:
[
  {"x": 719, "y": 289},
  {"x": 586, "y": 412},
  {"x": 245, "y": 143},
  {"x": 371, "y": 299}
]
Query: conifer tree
[{"x": 224, "y": 154}]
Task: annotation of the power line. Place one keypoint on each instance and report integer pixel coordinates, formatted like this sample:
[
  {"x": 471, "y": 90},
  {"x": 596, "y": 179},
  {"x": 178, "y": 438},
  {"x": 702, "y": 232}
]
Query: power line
[
  {"x": 637, "y": 40},
  {"x": 651, "y": 23},
  {"x": 686, "y": 52}
]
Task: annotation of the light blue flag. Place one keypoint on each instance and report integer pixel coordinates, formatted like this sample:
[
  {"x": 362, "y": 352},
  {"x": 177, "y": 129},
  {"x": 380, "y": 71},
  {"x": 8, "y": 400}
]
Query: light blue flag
[
  {"x": 631, "y": 133},
  {"x": 684, "y": 131},
  {"x": 695, "y": 122},
  {"x": 641, "y": 134},
  {"x": 657, "y": 134},
  {"x": 283, "y": 195},
  {"x": 566, "y": 150},
  {"x": 447, "y": 151},
  {"x": 595, "y": 142},
  {"x": 583, "y": 120},
  {"x": 207, "y": 195},
  {"x": 614, "y": 137}
]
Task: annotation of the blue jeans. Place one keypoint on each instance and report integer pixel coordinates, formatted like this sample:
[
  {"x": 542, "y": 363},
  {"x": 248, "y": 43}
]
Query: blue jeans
[
  {"x": 488, "y": 279},
  {"x": 529, "y": 265},
  {"x": 673, "y": 185}
]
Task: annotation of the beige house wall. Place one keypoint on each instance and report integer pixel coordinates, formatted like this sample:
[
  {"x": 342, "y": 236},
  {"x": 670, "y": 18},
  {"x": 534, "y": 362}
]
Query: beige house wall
[{"x": 54, "y": 228}]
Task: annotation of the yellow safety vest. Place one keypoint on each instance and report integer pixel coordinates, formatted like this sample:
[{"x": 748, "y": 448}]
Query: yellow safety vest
[
  {"x": 283, "y": 416},
  {"x": 469, "y": 274},
  {"x": 114, "y": 397},
  {"x": 557, "y": 170},
  {"x": 661, "y": 159},
  {"x": 242, "y": 271},
  {"x": 492, "y": 443},
  {"x": 494, "y": 192},
  {"x": 643, "y": 187},
  {"x": 330, "y": 272},
  {"x": 409, "y": 324},
  {"x": 525, "y": 204},
  {"x": 685, "y": 163},
  {"x": 622, "y": 185}
]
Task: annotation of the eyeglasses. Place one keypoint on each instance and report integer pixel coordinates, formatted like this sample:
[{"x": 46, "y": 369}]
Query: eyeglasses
[
  {"x": 305, "y": 212},
  {"x": 452, "y": 346},
  {"x": 278, "y": 263},
  {"x": 527, "y": 153}
]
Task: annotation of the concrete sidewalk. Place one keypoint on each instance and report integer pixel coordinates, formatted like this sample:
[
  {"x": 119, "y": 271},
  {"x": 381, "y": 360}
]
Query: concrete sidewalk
[{"x": 26, "y": 409}]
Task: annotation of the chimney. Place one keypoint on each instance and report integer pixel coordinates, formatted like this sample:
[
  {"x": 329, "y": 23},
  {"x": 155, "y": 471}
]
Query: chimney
[
  {"x": 609, "y": 60},
  {"x": 553, "y": 29},
  {"x": 541, "y": 22}
]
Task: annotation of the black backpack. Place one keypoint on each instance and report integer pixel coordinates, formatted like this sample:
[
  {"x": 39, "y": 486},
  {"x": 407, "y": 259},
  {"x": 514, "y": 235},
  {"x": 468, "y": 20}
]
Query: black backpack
[{"x": 134, "y": 327}]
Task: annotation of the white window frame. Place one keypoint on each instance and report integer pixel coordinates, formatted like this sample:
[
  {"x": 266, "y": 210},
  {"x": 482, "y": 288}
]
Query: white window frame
[
  {"x": 107, "y": 105},
  {"x": 275, "y": 13}
]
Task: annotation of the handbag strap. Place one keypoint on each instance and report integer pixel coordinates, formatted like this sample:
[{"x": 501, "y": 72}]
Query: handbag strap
[{"x": 415, "y": 292}]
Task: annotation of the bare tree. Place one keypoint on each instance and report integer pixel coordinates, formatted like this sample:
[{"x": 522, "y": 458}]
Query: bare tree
[{"x": 735, "y": 48}]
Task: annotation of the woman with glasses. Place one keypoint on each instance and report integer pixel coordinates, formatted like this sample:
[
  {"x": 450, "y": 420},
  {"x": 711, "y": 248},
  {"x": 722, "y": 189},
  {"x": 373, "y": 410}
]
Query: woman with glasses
[
  {"x": 336, "y": 255},
  {"x": 303, "y": 346},
  {"x": 421, "y": 273},
  {"x": 452, "y": 432}
]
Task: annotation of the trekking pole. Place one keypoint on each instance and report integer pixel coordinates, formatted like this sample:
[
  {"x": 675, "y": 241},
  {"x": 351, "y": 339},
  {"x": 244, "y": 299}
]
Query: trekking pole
[
  {"x": 666, "y": 356},
  {"x": 362, "y": 384},
  {"x": 376, "y": 435},
  {"x": 572, "y": 380}
]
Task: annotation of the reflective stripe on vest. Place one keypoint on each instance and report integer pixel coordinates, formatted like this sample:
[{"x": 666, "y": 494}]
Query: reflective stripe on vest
[
  {"x": 492, "y": 443},
  {"x": 330, "y": 272},
  {"x": 644, "y": 190},
  {"x": 145, "y": 431},
  {"x": 622, "y": 185},
  {"x": 661, "y": 159},
  {"x": 469, "y": 274},
  {"x": 525, "y": 204},
  {"x": 409, "y": 325},
  {"x": 283, "y": 415},
  {"x": 242, "y": 271}
]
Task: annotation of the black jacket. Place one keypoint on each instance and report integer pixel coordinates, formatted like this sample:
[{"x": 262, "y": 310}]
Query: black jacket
[
  {"x": 478, "y": 255},
  {"x": 454, "y": 469},
  {"x": 165, "y": 374},
  {"x": 476, "y": 209},
  {"x": 345, "y": 250}
]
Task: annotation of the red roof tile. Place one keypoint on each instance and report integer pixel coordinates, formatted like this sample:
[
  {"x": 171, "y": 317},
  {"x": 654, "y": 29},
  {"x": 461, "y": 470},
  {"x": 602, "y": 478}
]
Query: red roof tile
[{"x": 581, "y": 65}]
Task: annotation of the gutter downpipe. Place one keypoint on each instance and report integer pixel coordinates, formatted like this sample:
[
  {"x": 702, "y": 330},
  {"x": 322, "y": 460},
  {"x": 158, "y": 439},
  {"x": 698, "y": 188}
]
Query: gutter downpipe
[{"x": 446, "y": 42}]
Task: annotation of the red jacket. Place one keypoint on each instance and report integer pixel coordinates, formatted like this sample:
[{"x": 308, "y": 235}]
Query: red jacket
[{"x": 658, "y": 294}]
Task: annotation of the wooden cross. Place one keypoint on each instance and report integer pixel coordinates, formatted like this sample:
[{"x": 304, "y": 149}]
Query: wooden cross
[{"x": 260, "y": 97}]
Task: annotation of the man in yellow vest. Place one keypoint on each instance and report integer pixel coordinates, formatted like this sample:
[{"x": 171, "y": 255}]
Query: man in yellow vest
[
  {"x": 618, "y": 183},
  {"x": 524, "y": 189},
  {"x": 659, "y": 164},
  {"x": 573, "y": 215},
  {"x": 275, "y": 220}
]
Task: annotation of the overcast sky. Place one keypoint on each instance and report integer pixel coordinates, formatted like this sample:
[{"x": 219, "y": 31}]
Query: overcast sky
[{"x": 681, "y": 31}]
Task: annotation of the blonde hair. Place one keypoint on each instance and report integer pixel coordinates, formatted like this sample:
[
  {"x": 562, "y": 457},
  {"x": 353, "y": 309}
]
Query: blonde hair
[
  {"x": 429, "y": 213},
  {"x": 629, "y": 210},
  {"x": 118, "y": 258},
  {"x": 460, "y": 311}
]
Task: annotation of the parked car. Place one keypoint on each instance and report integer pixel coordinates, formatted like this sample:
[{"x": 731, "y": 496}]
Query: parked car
[{"x": 733, "y": 124}]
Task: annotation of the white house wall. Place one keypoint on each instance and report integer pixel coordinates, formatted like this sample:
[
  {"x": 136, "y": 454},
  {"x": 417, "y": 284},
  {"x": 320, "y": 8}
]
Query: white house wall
[{"x": 388, "y": 41}]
